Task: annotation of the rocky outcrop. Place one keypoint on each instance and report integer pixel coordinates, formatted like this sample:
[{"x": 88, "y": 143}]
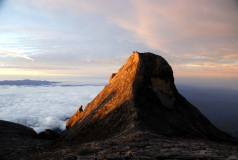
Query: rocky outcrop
[
  {"x": 10, "y": 129},
  {"x": 112, "y": 76},
  {"x": 74, "y": 118},
  {"x": 18, "y": 141},
  {"x": 49, "y": 134},
  {"x": 141, "y": 96}
]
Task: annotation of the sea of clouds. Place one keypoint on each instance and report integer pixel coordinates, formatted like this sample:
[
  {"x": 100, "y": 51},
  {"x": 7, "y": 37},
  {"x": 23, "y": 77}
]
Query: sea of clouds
[
  {"x": 49, "y": 107},
  {"x": 43, "y": 107}
]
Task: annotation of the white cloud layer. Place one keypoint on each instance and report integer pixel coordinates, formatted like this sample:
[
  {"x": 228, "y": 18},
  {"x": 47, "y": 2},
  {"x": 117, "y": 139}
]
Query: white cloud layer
[{"x": 43, "y": 107}]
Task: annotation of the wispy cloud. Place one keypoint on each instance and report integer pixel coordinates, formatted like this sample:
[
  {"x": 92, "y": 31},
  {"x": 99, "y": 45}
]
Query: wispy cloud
[
  {"x": 89, "y": 35},
  {"x": 15, "y": 54},
  {"x": 173, "y": 27}
]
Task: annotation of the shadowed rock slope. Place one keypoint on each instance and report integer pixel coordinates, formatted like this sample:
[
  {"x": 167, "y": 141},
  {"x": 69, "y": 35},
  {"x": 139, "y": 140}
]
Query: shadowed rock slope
[
  {"x": 141, "y": 96},
  {"x": 18, "y": 141}
]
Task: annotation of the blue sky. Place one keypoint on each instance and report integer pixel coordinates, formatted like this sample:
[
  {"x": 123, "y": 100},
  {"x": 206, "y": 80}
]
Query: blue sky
[{"x": 90, "y": 39}]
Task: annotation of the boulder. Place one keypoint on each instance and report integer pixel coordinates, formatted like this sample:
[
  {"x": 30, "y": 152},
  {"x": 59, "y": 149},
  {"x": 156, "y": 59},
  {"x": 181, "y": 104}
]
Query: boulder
[
  {"x": 15, "y": 138},
  {"x": 49, "y": 134},
  {"x": 10, "y": 129}
]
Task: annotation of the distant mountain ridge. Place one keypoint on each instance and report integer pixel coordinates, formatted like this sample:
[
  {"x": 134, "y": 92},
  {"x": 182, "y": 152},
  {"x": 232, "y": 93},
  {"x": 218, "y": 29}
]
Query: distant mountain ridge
[{"x": 27, "y": 82}]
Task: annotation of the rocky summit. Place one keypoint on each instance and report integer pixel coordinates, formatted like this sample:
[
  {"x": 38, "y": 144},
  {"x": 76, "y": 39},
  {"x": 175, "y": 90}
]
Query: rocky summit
[
  {"x": 139, "y": 115},
  {"x": 141, "y": 96}
]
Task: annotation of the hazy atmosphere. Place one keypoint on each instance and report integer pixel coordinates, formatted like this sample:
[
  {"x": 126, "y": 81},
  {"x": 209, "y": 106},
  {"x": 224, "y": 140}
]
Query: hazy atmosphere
[{"x": 88, "y": 40}]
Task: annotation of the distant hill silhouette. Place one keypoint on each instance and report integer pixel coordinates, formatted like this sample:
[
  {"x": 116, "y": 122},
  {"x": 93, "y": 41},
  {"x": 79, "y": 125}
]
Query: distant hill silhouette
[{"x": 27, "y": 82}]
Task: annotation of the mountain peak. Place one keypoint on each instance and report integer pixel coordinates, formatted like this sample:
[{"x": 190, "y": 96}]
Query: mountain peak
[{"x": 141, "y": 96}]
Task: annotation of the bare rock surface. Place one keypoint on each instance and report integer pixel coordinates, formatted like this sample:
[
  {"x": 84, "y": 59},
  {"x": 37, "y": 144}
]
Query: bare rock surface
[
  {"x": 49, "y": 134},
  {"x": 141, "y": 96},
  {"x": 18, "y": 141},
  {"x": 74, "y": 118},
  {"x": 140, "y": 114},
  {"x": 112, "y": 76},
  {"x": 142, "y": 146}
]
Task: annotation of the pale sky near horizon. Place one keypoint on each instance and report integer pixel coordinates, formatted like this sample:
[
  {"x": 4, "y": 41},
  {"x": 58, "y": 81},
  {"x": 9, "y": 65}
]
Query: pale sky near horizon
[{"x": 87, "y": 39}]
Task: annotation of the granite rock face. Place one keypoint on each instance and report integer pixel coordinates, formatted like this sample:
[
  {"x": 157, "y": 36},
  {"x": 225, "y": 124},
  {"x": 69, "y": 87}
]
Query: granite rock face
[
  {"x": 112, "y": 76},
  {"x": 74, "y": 118},
  {"x": 141, "y": 96}
]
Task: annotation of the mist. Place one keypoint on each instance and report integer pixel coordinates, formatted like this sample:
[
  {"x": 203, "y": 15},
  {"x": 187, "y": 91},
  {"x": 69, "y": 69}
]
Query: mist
[
  {"x": 49, "y": 107},
  {"x": 43, "y": 107}
]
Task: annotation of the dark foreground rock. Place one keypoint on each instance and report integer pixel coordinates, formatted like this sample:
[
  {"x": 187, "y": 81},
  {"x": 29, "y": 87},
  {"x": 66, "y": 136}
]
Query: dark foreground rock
[
  {"x": 10, "y": 129},
  {"x": 18, "y": 141},
  {"x": 142, "y": 146},
  {"x": 49, "y": 134}
]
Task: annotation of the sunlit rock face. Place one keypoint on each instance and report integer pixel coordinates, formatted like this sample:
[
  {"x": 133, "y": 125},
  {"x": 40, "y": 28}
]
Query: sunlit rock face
[
  {"x": 140, "y": 96},
  {"x": 74, "y": 118},
  {"x": 112, "y": 77}
]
